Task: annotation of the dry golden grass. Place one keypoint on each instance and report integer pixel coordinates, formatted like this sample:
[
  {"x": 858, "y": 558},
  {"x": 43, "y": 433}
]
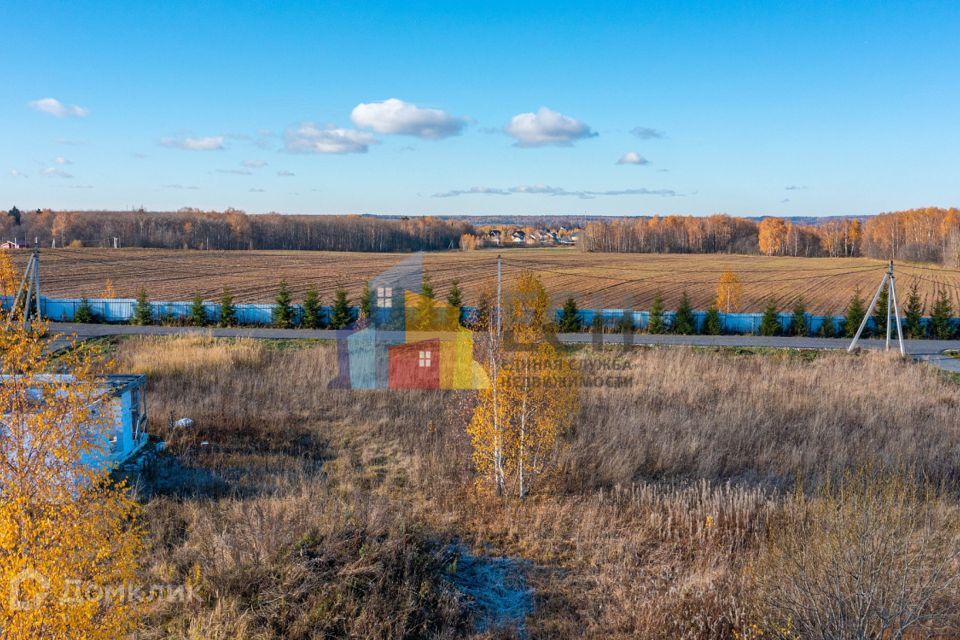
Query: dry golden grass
[
  {"x": 314, "y": 513},
  {"x": 719, "y": 415},
  {"x": 595, "y": 280}
]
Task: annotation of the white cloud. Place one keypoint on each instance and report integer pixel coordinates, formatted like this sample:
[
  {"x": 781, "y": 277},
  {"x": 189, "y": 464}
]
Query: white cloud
[
  {"x": 205, "y": 143},
  {"x": 546, "y": 127},
  {"x": 180, "y": 186},
  {"x": 310, "y": 138},
  {"x": 54, "y": 107},
  {"x": 541, "y": 189},
  {"x": 61, "y": 160},
  {"x": 257, "y": 190},
  {"x": 632, "y": 157},
  {"x": 395, "y": 116},
  {"x": 646, "y": 133},
  {"x": 236, "y": 172},
  {"x": 53, "y": 172},
  {"x": 16, "y": 174},
  {"x": 285, "y": 174},
  {"x": 254, "y": 164}
]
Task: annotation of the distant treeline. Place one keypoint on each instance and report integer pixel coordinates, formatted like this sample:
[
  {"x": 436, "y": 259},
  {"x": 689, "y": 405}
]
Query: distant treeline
[
  {"x": 929, "y": 235},
  {"x": 231, "y": 229}
]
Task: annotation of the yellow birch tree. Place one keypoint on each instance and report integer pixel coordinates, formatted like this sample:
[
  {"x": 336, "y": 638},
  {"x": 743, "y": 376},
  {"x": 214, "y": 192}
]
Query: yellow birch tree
[
  {"x": 531, "y": 400},
  {"x": 729, "y": 292},
  {"x": 69, "y": 538},
  {"x": 108, "y": 290},
  {"x": 8, "y": 277}
]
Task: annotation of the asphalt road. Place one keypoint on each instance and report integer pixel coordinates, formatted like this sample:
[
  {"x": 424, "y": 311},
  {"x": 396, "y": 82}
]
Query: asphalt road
[{"x": 926, "y": 350}]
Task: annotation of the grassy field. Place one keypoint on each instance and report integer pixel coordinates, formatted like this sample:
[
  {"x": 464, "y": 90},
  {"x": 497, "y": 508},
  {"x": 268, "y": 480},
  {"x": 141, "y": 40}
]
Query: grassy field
[
  {"x": 302, "y": 512},
  {"x": 595, "y": 280}
]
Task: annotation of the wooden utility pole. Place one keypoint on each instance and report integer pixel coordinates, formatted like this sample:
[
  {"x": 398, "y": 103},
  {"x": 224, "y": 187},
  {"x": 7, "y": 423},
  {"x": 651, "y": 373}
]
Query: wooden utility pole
[
  {"x": 29, "y": 283},
  {"x": 893, "y": 311}
]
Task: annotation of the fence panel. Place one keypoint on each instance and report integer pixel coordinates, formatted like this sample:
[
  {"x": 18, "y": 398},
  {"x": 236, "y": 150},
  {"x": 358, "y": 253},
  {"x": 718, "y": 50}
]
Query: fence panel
[{"x": 116, "y": 310}]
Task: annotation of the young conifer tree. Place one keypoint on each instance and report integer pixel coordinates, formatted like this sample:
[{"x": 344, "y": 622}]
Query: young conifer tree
[
  {"x": 228, "y": 310},
  {"x": 941, "y": 316},
  {"x": 341, "y": 316},
  {"x": 311, "y": 309},
  {"x": 366, "y": 301},
  {"x": 913, "y": 314},
  {"x": 712, "y": 324},
  {"x": 684, "y": 322},
  {"x": 142, "y": 310},
  {"x": 855, "y": 313},
  {"x": 798, "y": 323},
  {"x": 880, "y": 311},
  {"x": 283, "y": 314},
  {"x": 770, "y": 321},
  {"x": 455, "y": 302},
  {"x": 198, "y": 313},
  {"x": 84, "y": 312},
  {"x": 570, "y": 321},
  {"x": 657, "y": 322}
]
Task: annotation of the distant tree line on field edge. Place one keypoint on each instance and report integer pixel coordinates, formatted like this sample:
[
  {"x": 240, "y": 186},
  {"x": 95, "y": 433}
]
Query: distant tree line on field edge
[
  {"x": 922, "y": 235},
  {"x": 310, "y": 314},
  {"x": 230, "y": 229},
  {"x": 926, "y": 235}
]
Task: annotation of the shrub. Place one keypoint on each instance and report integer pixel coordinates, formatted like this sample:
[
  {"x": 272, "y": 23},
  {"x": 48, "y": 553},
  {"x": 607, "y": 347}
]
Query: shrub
[
  {"x": 684, "y": 322},
  {"x": 770, "y": 321},
  {"x": 872, "y": 557},
  {"x": 480, "y": 318},
  {"x": 828, "y": 328},
  {"x": 596, "y": 325},
  {"x": 282, "y": 312},
  {"x": 142, "y": 310},
  {"x": 570, "y": 321}
]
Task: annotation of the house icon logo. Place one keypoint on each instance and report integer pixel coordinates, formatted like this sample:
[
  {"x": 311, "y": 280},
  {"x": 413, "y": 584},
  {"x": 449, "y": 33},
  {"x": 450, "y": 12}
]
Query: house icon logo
[
  {"x": 27, "y": 590},
  {"x": 410, "y": 341}
]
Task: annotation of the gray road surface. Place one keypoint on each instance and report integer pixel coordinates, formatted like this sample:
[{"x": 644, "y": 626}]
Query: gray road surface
[{"x": 926, "y": 350}]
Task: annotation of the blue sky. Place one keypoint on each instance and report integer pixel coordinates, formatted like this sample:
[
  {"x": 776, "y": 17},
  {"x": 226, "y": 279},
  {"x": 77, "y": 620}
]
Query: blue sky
[{"x": 482, "y": 108}]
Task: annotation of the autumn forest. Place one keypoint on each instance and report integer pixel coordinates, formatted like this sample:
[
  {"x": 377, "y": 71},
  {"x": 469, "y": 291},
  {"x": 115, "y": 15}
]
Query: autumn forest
[{"x": 922, "y": 235}]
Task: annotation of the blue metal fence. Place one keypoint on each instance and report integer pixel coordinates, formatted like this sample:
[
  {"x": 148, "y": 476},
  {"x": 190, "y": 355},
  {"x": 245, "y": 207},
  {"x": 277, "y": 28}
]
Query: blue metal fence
[{"x": 118, "y": 310}]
